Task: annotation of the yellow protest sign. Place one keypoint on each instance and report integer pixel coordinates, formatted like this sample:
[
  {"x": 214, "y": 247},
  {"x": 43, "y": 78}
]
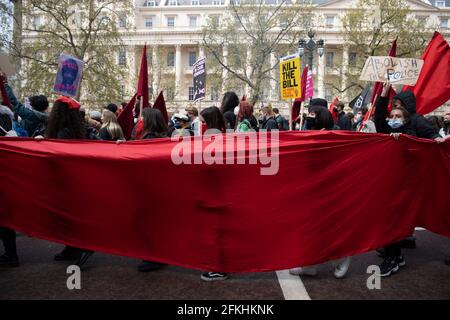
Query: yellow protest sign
[{"x": 290, "y": 79}]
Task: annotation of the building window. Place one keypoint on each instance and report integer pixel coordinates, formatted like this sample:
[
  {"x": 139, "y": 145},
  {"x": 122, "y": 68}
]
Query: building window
[
  {"x": 214, "y": 94},
  {"x": 328, "y": 94},
  {"x": 171, "y": 21},
  {"x": 122, "y": 57},
  {"x": 330, "y": 60},
  {"x": 192, "y": 21},
  {"x": 329, "y": 21},
  {"x": 444, "y": 23},
  {"x": 195, "y": 2},
  {"x": 192, "y": 58},
  {"x": 37, "y": 22},
  {"x": 149, "y": 3},
  {"x": 352, "y": 59},
  {"x": 122, "y": 21},
  {"x": 440, "y": 4},
  {"x": 191, "y": 93},
  {"x": 217, "y": 2},
  {"x": 171, "y": 59},
  {"x": 148, "y": 22},
  {"x": 173, "y": 3}
]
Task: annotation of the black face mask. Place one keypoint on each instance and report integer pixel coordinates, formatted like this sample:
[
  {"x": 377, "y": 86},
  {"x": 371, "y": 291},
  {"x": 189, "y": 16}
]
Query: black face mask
[
  {"x": 335, "y": 109},
  {"x": 310, "y": 122},
  {"x": 446, "y": 122}
]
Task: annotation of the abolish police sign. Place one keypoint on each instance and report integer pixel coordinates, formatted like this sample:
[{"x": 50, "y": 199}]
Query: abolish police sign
[
  {"x": 199, "y": 79},
  {"x": 395, "y": 70},
  {"x": 68, "y": 78},
  {"x": 290, "y": 77}
]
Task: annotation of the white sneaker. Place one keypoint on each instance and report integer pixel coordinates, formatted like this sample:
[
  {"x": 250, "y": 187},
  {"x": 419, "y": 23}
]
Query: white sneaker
[
  {"x": 304, "y": 271},
  {"x": 341, "y": 269}
]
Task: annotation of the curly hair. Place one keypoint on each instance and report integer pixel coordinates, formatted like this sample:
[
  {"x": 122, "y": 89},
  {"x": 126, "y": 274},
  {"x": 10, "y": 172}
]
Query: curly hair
[{"x": 61, "y": 119}]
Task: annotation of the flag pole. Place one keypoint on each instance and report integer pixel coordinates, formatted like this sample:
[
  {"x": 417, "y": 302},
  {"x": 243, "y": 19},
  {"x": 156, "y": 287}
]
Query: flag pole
[{"x": 301, "y": 116}]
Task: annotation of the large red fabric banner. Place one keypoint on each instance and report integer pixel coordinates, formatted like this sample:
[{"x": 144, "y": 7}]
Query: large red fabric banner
[{"x": 335, "y": 194}]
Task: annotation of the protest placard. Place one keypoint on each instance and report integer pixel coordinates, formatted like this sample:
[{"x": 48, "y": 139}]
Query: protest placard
[
  {"x": 68, "y": 77},
  {"x": 395, "y": 70},
  {"x": 199, "y": 79},
  {"x": 290, "y": 80}
]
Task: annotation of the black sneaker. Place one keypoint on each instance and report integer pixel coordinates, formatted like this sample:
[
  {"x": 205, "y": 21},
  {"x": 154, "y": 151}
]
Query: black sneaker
[
  {"x": 388, "y": 267},
  {"x": 7, "y": 261},
  {"x": 409, "y": 243},
  {"x": 400, "y": 260},
  {"x": 147, "y": 266},
  {"x": 214, "y": 276}
]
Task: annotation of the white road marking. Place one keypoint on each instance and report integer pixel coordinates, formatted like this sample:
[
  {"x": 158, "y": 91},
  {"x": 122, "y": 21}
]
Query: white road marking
[{"x": 292, "y": 286}]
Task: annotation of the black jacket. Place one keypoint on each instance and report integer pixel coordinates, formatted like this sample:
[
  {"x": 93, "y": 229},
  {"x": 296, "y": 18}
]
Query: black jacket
[
  {"x": 344, "y": 122},
  {"x": 381, "y": 123},
  {"x": 230, "y": 119},
  {"x": 419, "y": 124}
]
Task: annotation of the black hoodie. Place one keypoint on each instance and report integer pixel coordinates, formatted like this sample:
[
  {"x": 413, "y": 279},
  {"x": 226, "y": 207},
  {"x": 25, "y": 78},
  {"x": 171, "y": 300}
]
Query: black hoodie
[{"x": 419, "y": 124}]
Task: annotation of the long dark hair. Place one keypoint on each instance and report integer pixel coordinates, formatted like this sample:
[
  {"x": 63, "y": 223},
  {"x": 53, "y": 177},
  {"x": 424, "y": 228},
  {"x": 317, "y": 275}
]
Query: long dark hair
[
  {"x": 324, "y": 119},
  {"x": 213, "y": 118},
  {"x": 154, "y": 123},
  {"x": 61, "y": 118},
  {"x": 229, "y": 102}
]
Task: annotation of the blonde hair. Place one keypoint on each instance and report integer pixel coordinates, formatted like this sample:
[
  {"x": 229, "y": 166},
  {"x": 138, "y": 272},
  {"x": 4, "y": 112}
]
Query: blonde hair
[
  {"x": 112, "y": 125},
  {"x": 268, "y": 109}
]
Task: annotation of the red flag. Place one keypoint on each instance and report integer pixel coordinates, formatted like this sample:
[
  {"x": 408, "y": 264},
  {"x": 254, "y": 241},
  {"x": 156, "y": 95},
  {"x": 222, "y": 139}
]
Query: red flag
[
  {"x": 296, "y": 106},
  {"x": 5, "y": 97},
  {"x": 432, "y": 89},
  {"x": 143, "y": 89},
  {"x": 139, "y": 128},
  {"x": 244, "y": 98},
  {"x": 331, "y": 108},
  {"x": 126, "y": 119},
  {"x": 160, "y": 104},
  {"x": 378, "y": 87}
]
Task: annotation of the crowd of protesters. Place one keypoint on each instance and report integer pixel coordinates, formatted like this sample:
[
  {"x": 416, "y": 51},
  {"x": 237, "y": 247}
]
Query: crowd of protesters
[{"x": 67, "y": 120}]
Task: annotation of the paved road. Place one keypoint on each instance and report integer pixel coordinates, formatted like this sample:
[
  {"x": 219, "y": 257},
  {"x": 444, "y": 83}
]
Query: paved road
[{"x": 112, "y": 277}]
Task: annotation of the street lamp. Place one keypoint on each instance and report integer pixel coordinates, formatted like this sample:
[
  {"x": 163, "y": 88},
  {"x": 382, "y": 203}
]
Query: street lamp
[{"x": 310, "y": 46}]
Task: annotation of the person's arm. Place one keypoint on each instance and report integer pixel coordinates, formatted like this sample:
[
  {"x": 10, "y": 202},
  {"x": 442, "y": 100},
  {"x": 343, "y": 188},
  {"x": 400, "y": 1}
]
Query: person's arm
[
  {"x": 18, "y": 107},
  {"x": 381, "y": 111}
]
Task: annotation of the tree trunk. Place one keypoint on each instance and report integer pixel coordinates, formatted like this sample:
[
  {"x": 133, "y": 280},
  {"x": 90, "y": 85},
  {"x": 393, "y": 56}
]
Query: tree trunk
[{"x": 17, "y": 40}]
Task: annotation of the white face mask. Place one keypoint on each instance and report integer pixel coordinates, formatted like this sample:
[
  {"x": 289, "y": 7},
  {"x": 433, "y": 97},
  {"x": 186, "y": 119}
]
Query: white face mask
[{"x": 236, "y": 111}]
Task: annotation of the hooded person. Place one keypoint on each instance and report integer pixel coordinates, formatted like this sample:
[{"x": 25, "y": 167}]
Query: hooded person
[
  {"x": 34, "y": 120},
  {"x": 418, "y": 123}
]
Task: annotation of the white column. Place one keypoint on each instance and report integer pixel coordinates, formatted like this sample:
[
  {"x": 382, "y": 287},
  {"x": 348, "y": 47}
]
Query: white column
[
  {"x": 273, "y": 82},
  {"x": 201, "y": 51},
  {"x": 224, "y": 71},
  {"x": 132, "y": 75},
  {"x": 178, "y": 73},
  {"x": 344, "y": 78},
  {"x": 321, "y": 77},
  {"x": 155, "y": 70},
  {"x": 249, "y": 70}
]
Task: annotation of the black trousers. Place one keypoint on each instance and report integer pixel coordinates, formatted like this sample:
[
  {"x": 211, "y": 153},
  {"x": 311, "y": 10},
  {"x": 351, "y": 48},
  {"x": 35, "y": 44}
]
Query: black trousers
[
  {"x": 9, "y": 241},
  {"x": 393, "y": 250}
]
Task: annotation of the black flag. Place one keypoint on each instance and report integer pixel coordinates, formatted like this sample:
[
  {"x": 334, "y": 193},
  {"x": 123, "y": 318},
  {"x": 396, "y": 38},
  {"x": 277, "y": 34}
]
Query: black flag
[{"x": 362, "y": 100}]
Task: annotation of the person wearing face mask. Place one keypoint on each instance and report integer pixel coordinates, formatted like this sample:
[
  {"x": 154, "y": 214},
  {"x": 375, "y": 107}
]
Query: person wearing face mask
[
  {"x": 360, "y": 126},
  {"x": 269, "y": 123},
  {"x": 320, "y": 118},
  {"x": 444, "y": 132}
]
